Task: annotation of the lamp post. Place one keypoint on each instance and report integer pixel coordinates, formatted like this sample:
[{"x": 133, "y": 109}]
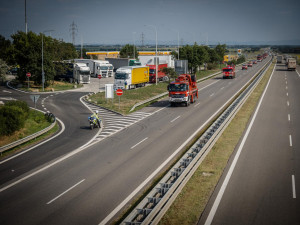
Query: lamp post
[
  {"x": 43, "y": 73},
  {"x": 134, "y": 44},
  {"x": 155, "y": 52}
]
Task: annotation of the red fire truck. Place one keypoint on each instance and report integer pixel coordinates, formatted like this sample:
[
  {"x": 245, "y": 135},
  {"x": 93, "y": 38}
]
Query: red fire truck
[
  {"x": 183, "y": 90},
  {"x": 160, "y": 75},
  {"x": 229, "y": 71}
]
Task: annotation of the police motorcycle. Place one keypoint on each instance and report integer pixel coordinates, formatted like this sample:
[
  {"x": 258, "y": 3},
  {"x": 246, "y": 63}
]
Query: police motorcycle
[{"x": 94, "y": 122}]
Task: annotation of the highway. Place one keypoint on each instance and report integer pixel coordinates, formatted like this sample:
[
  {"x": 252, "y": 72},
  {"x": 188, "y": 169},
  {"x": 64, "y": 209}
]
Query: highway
[
  {"x": 91, "y": 185},
  {"x": 261, "y": 183}
]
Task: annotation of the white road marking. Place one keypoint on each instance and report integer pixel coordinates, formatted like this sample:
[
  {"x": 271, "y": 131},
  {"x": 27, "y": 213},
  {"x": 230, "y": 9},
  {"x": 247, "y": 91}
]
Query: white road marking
[
  {"x": 289, "y": 117},
  {"x": 222, "y": 88},
  {"x": 139, "y": 143},
  {"x": 293, "y": 186},
  {"x": 288, "y": 103},
  {"x": 297, "y": 73},
  {"x": 286, "y": 87},
  {"x": 197, "y": 104},
  {"x": 287, "y": 94},
  {"x": 175, "y": 119},
  {"x": 212, "y": 94},
  {"x": 65, "y": 192},
  {"x": 291, "y": 143},
  {"x": 234, "y": 162},
  {"x": 208, "y": 85},
  {"x": 7, "y": 91}
]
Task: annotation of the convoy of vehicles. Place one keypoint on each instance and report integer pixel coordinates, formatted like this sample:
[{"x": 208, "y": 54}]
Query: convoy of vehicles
[
  {"x": 129, "y": 77},
  {"x": 229, "y": 72},
  {"x": 161, "y": 76},
  {"x": 97, "y": 67},
  {"x": 81, "y": 73},
  {"x": 183, "y": 90}
]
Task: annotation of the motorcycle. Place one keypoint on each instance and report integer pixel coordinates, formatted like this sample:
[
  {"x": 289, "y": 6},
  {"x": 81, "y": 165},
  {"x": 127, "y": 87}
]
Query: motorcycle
[{"x": 94, "y": 123}]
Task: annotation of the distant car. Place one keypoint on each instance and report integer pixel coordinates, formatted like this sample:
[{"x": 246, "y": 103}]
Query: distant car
[
  {"x": 254, "y": 62},
  {"x": 244, "y": 67},
  {"x": 250, "y": 64}
]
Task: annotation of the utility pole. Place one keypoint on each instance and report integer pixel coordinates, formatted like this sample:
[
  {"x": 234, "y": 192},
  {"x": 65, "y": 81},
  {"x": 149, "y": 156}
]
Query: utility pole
[
  {"x": 143, "y": 38},
  {"x": 73, "y": 29},
  {"x": 25, "y": 19}
]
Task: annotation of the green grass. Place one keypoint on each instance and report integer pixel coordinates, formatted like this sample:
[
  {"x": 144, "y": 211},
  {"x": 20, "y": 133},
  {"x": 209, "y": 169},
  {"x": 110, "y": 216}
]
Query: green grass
[
  {"x": 35, "y": 122},
  {"x": 129, "y": 97},
  {"x": 133, "y": 96},
  {"x": 56, "y": 86},
  {"x": 191, "y": 202}
]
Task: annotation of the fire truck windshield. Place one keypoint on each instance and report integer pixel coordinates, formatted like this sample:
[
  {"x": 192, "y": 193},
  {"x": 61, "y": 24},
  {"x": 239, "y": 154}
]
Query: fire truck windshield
[
  {"x": 177, "y": 87},
  {"x": 227, "y": 70},
  {"x": 121, "y": 76}
]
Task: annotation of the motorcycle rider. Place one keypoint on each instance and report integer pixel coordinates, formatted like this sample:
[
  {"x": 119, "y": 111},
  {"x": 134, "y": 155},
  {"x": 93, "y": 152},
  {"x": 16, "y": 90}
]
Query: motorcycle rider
[{"x": 96, "y": 115}]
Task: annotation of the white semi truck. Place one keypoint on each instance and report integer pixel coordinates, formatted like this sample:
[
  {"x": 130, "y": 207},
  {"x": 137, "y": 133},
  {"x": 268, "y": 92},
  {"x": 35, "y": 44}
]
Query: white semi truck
[
  {"x": 97, "y": 67},
  {"x": 81, "y": 73},
  {"x": 128, "y": 77}
]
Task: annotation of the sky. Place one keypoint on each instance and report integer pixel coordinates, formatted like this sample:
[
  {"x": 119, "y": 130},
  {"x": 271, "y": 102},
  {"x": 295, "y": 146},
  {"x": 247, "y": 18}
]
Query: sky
[{"x": 126, "y": 21}]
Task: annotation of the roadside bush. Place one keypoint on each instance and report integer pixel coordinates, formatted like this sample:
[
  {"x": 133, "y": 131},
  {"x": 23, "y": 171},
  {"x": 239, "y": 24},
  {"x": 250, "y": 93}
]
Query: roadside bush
[
  {"x": 20, "y": 104},
  {"x": 211, "y": 66},
  {"x": 38, "y": 118},
  {"x": 11, "y": 119}
]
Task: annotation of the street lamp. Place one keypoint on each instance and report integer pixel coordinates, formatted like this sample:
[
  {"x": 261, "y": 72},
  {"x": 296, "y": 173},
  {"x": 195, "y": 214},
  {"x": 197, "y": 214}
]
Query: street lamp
[
  {"x": 155, "y": 52},
  {"x": 43, "y": 73},
  {"x": 134, "y": 44}
]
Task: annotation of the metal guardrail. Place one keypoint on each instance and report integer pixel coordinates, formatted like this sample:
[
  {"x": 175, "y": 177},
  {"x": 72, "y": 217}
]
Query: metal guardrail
[
  {"x": 30, "y": 137},
  {"x": 151, "y": 209}
]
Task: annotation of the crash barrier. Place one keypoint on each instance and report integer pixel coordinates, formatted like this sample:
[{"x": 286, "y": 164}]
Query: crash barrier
[
  {"x": 50, "y": 117},
  {"x": 152, "y": 208}
]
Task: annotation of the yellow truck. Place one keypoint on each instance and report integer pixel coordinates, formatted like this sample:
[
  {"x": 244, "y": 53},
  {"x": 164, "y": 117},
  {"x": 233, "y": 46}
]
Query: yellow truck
[{"x": 129, "y": 77}]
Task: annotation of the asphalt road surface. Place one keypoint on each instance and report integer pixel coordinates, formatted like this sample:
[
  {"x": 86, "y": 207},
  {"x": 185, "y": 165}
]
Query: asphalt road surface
[
  {"x": 91, "y": 185},
  {"x": 263, "y": 187}
]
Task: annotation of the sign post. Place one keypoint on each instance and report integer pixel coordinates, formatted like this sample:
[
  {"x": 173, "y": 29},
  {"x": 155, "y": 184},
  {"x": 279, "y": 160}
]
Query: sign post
[
  {"x": 34, "y": 98},
  {"x": 119, "y": 92},
  {"x": 99, "y": 77},
  {"x": 28, "y": 75}
]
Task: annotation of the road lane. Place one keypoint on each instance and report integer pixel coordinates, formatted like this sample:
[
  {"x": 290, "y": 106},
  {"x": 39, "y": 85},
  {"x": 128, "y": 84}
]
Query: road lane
[{"x": 260, "y": 189}]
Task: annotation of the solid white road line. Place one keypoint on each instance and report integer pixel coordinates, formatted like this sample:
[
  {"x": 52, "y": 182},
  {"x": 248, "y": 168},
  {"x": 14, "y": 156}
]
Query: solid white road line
[
  {"x": 139, "y": 143},
  {"x": 291, "y": 143},
  {"x": 65, "y": 192},
  {"x": 175, "y": 119},
  {"x": 293, "y": 186},
  {"x": 234, "y": 162}
]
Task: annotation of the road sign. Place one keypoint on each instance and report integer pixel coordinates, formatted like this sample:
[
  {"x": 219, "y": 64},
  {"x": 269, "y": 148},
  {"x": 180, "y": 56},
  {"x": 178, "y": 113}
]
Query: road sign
[
  {"x": 99, "y": 76},
  {"x": 34, "y": 98},
  {"x": 119, "y": 92},
  {"x": 28, "y": 74}
]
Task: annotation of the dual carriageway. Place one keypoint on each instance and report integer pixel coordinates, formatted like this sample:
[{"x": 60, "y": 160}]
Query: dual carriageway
[{"x": 61, "y": 183}]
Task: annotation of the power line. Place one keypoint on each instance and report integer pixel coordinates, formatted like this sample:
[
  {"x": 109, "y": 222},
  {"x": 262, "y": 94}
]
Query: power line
[{"x": 73, "y": 29}]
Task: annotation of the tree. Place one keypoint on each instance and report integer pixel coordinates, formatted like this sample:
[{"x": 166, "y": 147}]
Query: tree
[
  {"x": 4, "y": 47},
  {"x": 220, "y": 50},
  {"x": 26, "y": 51},
  {"x": 3, "y": 69},
  {"x": 170, "y": 72},
  {"x": 127, "y": 51}
]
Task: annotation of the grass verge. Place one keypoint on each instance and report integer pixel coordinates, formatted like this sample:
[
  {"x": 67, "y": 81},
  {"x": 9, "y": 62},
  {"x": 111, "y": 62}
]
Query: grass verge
[
  {"x": 32, "y": 125},
  {"x": 56, "y": 86},
  {"x": 191, "y": 202},
  {"x": 131, "y": 97}
]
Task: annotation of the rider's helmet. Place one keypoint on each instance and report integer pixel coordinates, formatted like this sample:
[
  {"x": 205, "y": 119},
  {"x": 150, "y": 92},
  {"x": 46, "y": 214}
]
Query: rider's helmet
[{"x": 97, "y": 111}]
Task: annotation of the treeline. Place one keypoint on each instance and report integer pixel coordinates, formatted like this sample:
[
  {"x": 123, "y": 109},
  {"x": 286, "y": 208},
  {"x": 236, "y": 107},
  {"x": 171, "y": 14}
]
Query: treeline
[
  {"x": 25, "y": 50},
  {"x": 198, "y": 55}
]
